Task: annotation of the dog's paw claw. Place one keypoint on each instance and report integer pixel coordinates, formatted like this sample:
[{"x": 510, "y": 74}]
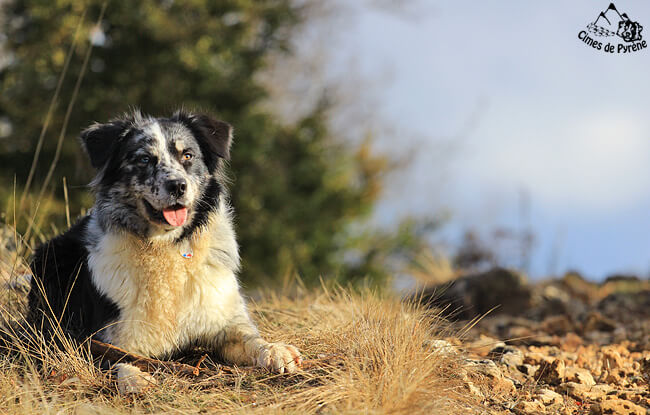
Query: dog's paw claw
[
  {"x": 280, "y": 358},
  {"x": 131, "y": 380}
]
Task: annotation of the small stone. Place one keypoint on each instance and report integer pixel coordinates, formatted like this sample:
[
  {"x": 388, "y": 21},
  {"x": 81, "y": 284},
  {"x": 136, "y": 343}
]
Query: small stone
[
  {"x": 497, "y": 382},
  {"x": 571, "y": 342},
  {"x": 617, "y": 406},
  {"x": 484, "y": 344},
  {"x": 484, "y": 367},
  {"x": 585, "y": 393},
  {"x": 578, "y": 375},
  {"x": 559, "y": 324},
  {"x": 549, "y": 397},
  {"x": 512, "y": 359},
  {"x": 442, "y": 347},
  {"x": 504, "y": 385},
  {"x": 536, "y": 358},
  {"x": 615, "y": 377},
  {"x": 552, "y": 374},
  {"x": 597, "y": 322},
  {"x": 529, "y": 408},
  {"x": 507, "y": 355},
  {"x": 612, "y": 359},
  {"x": 645, "y": 368},
  {"x": 528, "y": 370},
  {"x": 641, "y": 400},
  {"x": 519, "y": 334}
]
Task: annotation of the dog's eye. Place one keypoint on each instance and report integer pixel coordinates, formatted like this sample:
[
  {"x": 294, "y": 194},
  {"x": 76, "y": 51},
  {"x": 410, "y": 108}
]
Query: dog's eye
[
  {"x": 187, "y": 156},
  {"x": 144, "y": 160}
]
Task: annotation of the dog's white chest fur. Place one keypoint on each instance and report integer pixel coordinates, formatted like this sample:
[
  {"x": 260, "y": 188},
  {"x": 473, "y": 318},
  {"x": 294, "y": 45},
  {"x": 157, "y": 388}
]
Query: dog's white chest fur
[{"x": 167, "y": 301}]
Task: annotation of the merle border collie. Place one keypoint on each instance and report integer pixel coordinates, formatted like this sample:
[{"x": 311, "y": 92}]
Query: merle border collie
[{"x": 152, "y": 267}]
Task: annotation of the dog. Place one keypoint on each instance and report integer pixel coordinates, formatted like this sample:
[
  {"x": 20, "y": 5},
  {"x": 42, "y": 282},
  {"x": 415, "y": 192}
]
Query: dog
[
  {"x": 630, "y": 31},
  {"x": 152, "y": 267}
]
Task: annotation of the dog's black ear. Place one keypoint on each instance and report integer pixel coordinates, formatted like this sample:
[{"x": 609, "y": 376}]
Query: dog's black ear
[
  {"x": 214, "y": 136},
  {"x": 99, "y": 141}
]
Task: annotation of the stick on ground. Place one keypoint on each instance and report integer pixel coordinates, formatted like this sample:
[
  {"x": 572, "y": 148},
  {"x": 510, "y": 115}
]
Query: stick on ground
[{"x": 115, "y": 354}]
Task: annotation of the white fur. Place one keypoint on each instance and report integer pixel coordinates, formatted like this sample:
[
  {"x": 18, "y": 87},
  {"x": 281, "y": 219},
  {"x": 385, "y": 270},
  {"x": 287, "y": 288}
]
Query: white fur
[
  {"x": 201, "y": 294},
  {"x": 130, "y": 379},
  {"x": 153, "y": 129},
  {"x": 179, "y": 145}
]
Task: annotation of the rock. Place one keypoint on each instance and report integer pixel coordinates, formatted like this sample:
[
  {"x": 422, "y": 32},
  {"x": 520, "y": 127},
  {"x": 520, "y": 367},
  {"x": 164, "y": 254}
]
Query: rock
[
  {"x": 597, "y": 322},
  {"x": 645, "y": 369},
  {"x": 625, "y": 306},
  {"x": 497, "y": 291},
  {"x": 598, "y": 337},
  {"x": 519, "y": 335},
  {"x": 585, "y": 393},
  {"x": 640, "y": 396},
  {"x": 617, "y": 406},
  {"x": 549, "y": 397},
  {"x": 622, "y": 278},
  {"x": 611, "y": 358},
  {"x": 484, "y": 344},
  {"x": 489, "y": 370},
  {"x": 559, "y": 324},
  {"x": 529, "y": 408},
  {"x": 507, "y": 355},
  {"x": 536, "y": 358},
  {"x": 512, "y": 359},
  {"x": 556, "y": 298},
  {"x": 615, "y": 377},
  {"x": 578, "y": 375},
  {"x": 571, "y": 341},
  {"x": 441, "y": 347},
  {"x": 528, "y": 370},
  {"x": 553, "y": 373},
  {"x": 619, "y": 334},
  {"x": 579, "y": 289},
  {"x": 484, "y": 367}
]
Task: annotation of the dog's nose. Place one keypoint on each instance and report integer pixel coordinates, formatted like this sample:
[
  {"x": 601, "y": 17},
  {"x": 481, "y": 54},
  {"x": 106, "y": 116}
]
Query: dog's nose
[{"x": 176, "y": 187}]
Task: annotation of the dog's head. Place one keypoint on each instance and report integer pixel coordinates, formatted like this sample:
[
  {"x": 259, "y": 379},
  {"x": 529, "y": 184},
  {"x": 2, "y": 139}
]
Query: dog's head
[
  {"x": 630, "y": 31},
  {"x": 157, "y": 176}
]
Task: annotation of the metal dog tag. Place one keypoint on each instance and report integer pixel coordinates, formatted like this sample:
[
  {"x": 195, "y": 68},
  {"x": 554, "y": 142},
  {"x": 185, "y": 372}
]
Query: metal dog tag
[{"x": 186, "y": 251}]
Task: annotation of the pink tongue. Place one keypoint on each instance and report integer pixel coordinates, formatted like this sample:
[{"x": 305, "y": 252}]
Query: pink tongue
[{"x": 175, "y": 217}]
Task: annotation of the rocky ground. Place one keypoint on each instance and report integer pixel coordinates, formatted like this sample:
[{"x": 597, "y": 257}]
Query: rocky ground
[{"x": 565, "y": 346}]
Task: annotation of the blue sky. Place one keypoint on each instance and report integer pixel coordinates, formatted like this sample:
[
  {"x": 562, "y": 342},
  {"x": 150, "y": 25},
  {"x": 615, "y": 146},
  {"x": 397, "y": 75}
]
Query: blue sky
[{"x": 499, "y": 98}]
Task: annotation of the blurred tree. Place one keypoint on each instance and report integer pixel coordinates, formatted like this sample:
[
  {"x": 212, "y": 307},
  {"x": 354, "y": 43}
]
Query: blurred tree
[{"x": 297, "y": 188}]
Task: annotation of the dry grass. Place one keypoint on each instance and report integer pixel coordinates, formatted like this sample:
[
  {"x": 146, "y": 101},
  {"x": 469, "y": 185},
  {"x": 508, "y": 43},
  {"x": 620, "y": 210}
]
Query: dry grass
[
  {"x": 373, "y": 351},
  {"x": 379, "y": 363}
]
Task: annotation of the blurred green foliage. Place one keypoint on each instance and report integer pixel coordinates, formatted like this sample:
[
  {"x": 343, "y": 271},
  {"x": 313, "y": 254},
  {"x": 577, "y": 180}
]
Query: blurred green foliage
[{"x": 297, "y": 190}]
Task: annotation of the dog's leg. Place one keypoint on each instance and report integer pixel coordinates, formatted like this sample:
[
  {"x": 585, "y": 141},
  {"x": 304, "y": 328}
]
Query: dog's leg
[
  {"x": 130, "y": 379},
  {"x": 243, "y": 345}
]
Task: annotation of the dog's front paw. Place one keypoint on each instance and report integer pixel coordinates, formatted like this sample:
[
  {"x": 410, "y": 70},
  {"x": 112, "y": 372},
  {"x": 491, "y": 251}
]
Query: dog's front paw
[
  {"x": 279, "y": 358},
  {"x": 130, "y": 379}
]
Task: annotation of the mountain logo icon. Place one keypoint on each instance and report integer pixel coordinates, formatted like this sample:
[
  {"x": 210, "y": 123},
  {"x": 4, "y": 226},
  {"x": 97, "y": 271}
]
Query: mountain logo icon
[
  {"x": 613, "y": 23},
  {"x": 613, "y": 32}
]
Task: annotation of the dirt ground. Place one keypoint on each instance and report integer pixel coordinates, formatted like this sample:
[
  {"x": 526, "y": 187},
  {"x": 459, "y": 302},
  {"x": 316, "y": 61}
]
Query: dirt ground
[{"x": 563, "y": 346}]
